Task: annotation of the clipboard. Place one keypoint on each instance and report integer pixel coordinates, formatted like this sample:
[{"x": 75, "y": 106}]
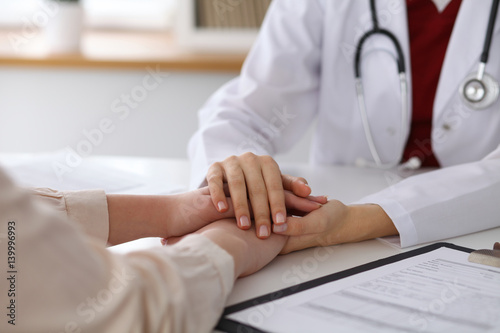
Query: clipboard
[{"x": 228, "y": 325}]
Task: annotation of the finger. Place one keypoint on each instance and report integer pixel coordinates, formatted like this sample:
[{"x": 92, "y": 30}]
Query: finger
[
  {"x": 297, "y": 185},
  {"x": 299, "y": 226},
  {"x": 274, "y": 186},
  {"x": 257, "y": 193},
  {"x": 321, "y": 199},
  {"x": 294, "y": 202},
  {"x": 215, "y": 180},
  {"x": 236, "y": 180}
]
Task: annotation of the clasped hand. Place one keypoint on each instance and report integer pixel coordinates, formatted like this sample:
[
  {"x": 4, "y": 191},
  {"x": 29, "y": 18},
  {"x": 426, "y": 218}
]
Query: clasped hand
[
  {"x": 257, "y": 188},
  {"x": 252, "y": 188}
]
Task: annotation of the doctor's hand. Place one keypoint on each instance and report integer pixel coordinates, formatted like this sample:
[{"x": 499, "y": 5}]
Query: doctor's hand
[
  {"x": 258, "y": 180},
  {"x": 336, "y": 223}
]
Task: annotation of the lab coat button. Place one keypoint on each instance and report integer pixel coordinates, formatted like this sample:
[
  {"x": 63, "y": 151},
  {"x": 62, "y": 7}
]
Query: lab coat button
[
  {"x": 391, "y": 131},
  {"x": 446, "y": 127}
]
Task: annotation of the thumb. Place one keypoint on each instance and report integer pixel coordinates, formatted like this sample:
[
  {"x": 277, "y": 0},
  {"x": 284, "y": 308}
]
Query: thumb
[{"x": 299, "y": 243}]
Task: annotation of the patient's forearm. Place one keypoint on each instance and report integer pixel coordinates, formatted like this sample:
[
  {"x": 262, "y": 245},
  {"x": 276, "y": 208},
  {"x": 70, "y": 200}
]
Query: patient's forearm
[{"x": 137, "y": 216}]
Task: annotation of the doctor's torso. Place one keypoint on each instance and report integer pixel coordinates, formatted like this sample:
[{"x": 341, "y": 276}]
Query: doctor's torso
[{"x": 459, "y": 134}]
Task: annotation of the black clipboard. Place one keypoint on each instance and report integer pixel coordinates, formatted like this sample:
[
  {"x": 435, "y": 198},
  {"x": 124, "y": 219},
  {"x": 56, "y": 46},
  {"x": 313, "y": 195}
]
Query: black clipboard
[{"x": 231, "y": 326}]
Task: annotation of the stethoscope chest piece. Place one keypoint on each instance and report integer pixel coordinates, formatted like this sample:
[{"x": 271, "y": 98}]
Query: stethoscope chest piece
[{"x": 479, "y": 94}]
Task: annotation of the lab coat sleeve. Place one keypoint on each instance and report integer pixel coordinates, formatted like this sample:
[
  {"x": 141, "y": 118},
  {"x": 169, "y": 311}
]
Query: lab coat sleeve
[
  {"x": 268, "y": 107},
  {"x": 62, "y": 281},
  {"x": 445, "y": 203}
]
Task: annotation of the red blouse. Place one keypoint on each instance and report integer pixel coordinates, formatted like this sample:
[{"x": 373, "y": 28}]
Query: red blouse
[{"x": 430, "y": 33}]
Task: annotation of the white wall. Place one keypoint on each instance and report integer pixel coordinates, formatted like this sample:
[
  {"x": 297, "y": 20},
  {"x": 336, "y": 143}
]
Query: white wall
[{"x": 49, "y": 109}]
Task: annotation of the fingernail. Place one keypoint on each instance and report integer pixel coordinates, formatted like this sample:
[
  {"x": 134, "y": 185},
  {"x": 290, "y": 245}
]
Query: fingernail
[
  {"x": 280, "y": 218},
  {"x": 221, "y": 205},
  {"x": 280, "y": 227},
  {"x": 163, "y": 242},
  {"x": 263, "y": 231},
  {"x": 244, "y": 221}
]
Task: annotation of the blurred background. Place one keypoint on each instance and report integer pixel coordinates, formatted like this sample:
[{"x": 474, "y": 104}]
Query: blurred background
[{"x": 135, "y": 70}]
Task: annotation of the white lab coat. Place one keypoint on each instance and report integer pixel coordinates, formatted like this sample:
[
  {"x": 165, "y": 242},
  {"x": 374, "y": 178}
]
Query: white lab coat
[{"x": 301, "y": 68}]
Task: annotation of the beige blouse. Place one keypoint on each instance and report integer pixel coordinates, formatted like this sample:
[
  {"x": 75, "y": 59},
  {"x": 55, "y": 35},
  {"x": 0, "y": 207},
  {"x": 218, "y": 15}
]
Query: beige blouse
[{"x": 57, "y": 276}]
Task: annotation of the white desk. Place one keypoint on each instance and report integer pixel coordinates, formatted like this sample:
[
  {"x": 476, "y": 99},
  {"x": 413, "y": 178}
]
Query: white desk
[{"x": 346, "y": 184}]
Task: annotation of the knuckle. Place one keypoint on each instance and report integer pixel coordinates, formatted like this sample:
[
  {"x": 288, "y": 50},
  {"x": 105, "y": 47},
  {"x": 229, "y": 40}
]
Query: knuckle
[
  {"x": 268, "y": 160},
  {"x": 237, "y": 181},
  {"x": 262, "y": 218},
  {"x": 248, "y": 155},
  {"x": 215, "y": 167},
  {"x": 249, "y": 158},
  {"x": 275, "y": 188},
  {"x": 231, "y": 159},
  {"x": 258, "y": 192},
  {"x": 240, "y": 206},
  {"x": 212, "y": 178}
]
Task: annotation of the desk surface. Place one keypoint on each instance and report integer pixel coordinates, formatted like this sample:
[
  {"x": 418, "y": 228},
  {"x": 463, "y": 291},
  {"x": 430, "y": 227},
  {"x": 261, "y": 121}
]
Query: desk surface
[
  {"x": 118, "y": 49},
  {"x": 344, "y": 183}
]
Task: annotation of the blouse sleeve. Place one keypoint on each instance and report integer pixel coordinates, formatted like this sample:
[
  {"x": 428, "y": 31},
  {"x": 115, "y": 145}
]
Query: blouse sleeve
[
  {"x": 87, "y": 208},
  {"x": 61, "y": 280}
]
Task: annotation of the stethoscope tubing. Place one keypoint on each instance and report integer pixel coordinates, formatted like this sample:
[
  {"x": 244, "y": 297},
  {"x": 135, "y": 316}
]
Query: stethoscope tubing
[
  {"x": 483, "y": 80},
  {"x": 489, "y": 32}
]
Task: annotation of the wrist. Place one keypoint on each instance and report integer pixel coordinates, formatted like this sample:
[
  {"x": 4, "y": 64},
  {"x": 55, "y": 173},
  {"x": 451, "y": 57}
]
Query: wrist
[
  {"x": 136, "y": 216},
  {"x": 235, "y": 246},
  {"x": 371, "y": 221}
]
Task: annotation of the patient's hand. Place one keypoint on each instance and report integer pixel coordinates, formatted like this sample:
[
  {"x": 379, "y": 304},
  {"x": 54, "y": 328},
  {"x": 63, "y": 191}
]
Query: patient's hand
[
  {"x": 250, "y": 253},
  {"x": 137, "y": 216},
  {"x": 192, "y": 211}
]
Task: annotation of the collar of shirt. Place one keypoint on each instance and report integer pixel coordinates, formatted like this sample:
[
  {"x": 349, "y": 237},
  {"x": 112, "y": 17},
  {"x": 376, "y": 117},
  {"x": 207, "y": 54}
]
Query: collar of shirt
[{"x": 441, "y": 4}]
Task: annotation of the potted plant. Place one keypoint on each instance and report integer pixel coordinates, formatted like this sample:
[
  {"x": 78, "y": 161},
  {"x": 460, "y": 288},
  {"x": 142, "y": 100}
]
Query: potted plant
[{"x": 64, "y": 29}]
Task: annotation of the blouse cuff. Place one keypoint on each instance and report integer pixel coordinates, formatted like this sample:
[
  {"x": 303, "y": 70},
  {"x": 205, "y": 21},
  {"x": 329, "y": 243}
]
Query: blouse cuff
[
  {"x": 88, "y": 208},
  {"x": 220, "y": 259}
]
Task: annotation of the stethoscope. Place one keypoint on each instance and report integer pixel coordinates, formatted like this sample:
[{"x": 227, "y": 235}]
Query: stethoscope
[{"x": 478, "y": 91}]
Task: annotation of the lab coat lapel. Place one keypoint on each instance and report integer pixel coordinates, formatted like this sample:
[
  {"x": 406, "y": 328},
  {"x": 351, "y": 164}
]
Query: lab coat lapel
[{"x": 464, "y": 49}]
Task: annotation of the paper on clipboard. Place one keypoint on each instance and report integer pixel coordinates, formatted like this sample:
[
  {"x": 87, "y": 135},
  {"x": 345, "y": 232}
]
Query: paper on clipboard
[{"x": 438, "y": 291}]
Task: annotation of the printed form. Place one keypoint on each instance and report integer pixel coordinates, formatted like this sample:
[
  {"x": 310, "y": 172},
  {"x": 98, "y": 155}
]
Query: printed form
[{"x": 439, "y": 291}]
